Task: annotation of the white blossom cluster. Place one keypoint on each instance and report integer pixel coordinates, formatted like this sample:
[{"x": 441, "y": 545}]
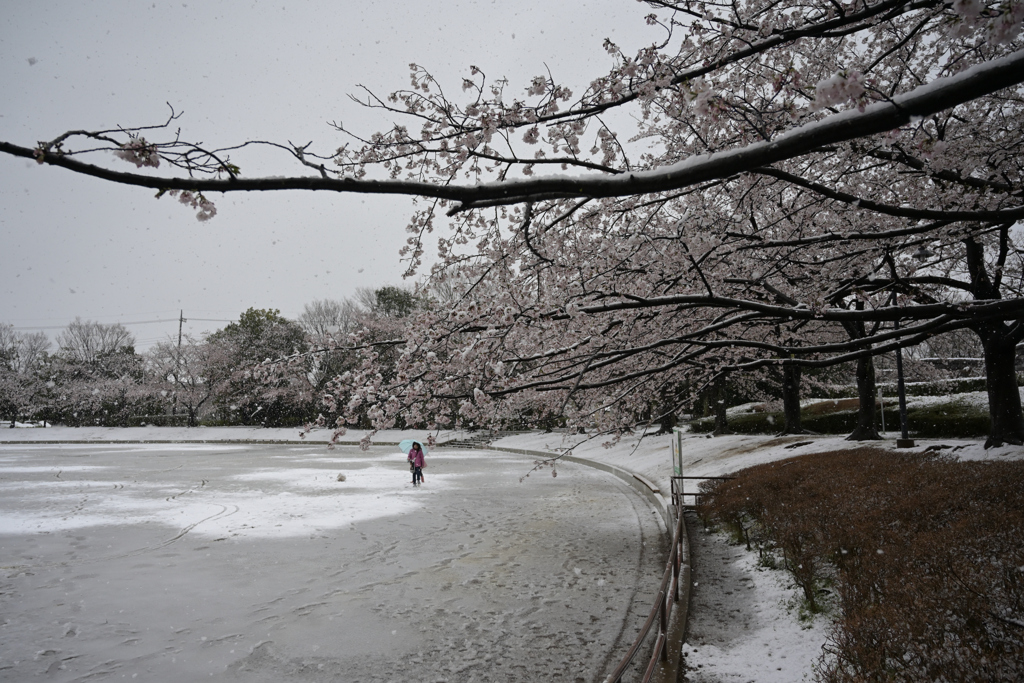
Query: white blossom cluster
[{"x": 139, "y": 152}]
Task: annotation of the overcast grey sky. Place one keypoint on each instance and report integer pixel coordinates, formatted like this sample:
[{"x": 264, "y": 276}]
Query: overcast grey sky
[{"x": 74, "y": 246}]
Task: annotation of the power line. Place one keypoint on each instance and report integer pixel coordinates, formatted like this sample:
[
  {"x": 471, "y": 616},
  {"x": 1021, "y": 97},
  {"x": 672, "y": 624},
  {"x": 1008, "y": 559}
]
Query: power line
[{"x": 136, "y": 322}]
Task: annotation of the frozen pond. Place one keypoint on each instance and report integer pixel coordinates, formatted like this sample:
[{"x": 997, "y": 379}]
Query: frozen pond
[{"x": 254, "y": 563}]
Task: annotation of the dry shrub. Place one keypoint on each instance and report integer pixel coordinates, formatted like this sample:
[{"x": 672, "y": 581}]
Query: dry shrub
[{"x": 924, "y": 554}]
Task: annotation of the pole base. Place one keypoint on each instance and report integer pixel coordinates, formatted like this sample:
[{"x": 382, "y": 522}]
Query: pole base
[{"x": 904, "y": 443}]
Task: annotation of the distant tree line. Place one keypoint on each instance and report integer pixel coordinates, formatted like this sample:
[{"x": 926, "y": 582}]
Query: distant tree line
[{"x": 262, "y": 369}]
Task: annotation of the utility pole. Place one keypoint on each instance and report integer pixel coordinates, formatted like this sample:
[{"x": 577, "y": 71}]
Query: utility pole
[{"x": 177, "y": 363}]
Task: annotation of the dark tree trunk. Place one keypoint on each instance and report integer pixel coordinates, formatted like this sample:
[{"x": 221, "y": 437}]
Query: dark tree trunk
[
  {"x": 1004, "y": 405},
  {"x": 668, "y": 421},
  {"x": 865, "y": 430},
  {"x": 999, "y": 342},
  {"x": 791, "y": 399}
]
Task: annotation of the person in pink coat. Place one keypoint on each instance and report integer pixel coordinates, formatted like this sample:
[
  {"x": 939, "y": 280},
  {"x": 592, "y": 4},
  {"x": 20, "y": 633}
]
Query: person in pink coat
[{"x": 416, "y": 463}]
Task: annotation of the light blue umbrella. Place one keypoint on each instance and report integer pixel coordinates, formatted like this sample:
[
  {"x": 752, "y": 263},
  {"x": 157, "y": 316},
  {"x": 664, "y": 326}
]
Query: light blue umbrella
[{"x": 406, "y": 446}]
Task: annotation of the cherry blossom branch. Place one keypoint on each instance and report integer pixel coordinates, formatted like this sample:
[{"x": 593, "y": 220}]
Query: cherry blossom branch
[
  {"x": 967, "y": 309},
  {"x": 944, "y": 93},
  {"x": 791, "y": 355},
  {"x": 1009, "y": 214},
  {"x": 569, "y": 376},
  {"x": 901, "y": 157},
  {"x": 832, "y": 27},
  {"x": 871, "y": 236},
  {"x": 867, "y": 350}
]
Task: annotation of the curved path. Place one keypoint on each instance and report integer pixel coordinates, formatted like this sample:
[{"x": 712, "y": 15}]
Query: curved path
[{"x": 254, "y": 563}]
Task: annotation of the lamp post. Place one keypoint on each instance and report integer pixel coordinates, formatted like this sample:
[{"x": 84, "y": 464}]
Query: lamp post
[
  {"x": 922, "y": 254},
  {"x": 905, "y": 441}
]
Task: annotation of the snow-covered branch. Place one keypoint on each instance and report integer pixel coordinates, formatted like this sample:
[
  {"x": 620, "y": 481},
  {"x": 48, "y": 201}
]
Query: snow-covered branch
[{"x": 939, "y": 95}]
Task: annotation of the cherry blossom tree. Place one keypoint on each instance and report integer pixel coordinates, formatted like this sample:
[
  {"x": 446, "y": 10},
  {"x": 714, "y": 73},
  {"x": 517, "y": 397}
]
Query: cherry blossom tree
[
  {"x": 21, "y": 356},
  {"x": 387, "y": 315},
  {"x": 761, "y": 164},
  {"x": 109, "y": 390}
]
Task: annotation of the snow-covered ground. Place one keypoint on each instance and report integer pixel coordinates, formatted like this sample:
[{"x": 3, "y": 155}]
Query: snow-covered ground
[
  {"x": 254, "y": 562},
  {"x": 472, "y": 572},
  {"x": 743, "y": 625}
]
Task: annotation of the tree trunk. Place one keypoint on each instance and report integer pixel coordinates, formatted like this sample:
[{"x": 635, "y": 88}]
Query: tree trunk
[
  {"x": 1004, "y": 405},
  {"x": 668, "y": 421},
  {"x": 718, "y": 398},
  {"x": 791, "y": 399},
  {"x": 865, "y": 430},
  {"x": 999, "y": 342}
]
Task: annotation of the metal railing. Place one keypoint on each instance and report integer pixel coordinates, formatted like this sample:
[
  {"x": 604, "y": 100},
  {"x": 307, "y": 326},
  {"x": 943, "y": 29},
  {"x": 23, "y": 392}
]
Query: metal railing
[
  {"x": 661, "y": 613},
  {"x": 679, "y": 495}
]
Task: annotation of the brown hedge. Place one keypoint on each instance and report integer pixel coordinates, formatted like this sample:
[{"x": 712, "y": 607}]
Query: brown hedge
[{"x": 923, "y": 554}]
